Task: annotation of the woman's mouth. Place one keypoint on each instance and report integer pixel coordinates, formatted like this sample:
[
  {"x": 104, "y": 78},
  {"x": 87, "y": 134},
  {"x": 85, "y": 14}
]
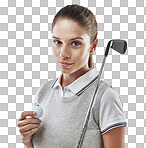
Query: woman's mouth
[{"x": 64, "y": 64}]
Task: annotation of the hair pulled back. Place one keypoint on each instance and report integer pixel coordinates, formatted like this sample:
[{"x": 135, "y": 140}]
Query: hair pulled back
[{"x": 81, "y": 15}]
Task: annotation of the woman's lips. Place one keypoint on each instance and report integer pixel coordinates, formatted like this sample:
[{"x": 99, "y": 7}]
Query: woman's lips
[{"x": 64, "y": 64}]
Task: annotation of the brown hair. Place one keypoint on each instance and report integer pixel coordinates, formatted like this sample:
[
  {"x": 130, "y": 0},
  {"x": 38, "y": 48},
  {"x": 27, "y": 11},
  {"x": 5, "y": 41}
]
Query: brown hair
[{"x": 84, "y": 17}]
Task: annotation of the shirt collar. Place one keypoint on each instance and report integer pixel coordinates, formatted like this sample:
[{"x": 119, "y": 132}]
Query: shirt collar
[
  {"x": 57, "y": 82},
  {"x": 80, "y": 84}
]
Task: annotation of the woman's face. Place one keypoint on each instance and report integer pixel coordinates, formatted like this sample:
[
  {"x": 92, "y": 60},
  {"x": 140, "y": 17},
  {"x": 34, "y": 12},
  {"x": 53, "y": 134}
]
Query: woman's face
[{"x": 71, "y": 46}]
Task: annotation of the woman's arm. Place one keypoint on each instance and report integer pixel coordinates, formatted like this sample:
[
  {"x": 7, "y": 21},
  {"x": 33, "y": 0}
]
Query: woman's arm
[{"x": 115, "y": 138}]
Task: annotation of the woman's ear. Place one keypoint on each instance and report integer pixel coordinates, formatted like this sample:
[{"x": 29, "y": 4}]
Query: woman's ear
[{"x": 94, "y": 45}]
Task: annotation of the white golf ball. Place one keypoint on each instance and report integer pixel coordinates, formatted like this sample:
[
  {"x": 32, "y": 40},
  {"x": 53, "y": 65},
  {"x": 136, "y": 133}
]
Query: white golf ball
[{"x": 38, "y": 110}]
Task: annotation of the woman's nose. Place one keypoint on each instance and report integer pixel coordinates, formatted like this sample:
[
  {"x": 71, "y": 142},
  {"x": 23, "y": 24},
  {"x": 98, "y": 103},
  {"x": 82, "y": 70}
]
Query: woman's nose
[{"x": 64, "y": 52}]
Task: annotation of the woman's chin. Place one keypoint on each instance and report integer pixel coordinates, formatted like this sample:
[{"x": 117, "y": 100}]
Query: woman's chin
[{"x": 65, "y": 71}]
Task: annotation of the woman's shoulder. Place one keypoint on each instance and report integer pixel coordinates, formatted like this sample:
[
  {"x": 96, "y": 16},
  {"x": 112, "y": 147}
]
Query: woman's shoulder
[
  {"x": 43, "y": 90},
  {"x": 108, "y": 92},
  {"x": 109, "y": 89},
  {"x": 110, "y": 95},
  {"x": 47, "y": 85},
  {"x": 105, "y": 84}
]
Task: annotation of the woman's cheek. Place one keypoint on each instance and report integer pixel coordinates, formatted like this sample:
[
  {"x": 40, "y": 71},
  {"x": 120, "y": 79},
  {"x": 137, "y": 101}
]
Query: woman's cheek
[
  {"x": 55, "y": 51},
  {"x": 78, "y": 54}
]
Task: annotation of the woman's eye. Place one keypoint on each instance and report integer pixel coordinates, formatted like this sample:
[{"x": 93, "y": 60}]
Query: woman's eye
[
  {"x": 57, "y": 42},
  {"x": 76, "y": 43}
]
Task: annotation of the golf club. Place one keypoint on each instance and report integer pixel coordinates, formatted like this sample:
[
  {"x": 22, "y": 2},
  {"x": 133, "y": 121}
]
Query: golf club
[{"x": 119, "y": 46}]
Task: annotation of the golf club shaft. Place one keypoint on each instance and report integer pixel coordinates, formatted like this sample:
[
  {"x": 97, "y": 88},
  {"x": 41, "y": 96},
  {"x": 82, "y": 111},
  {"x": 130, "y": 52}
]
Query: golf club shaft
[{"x": 90, "y": 106}]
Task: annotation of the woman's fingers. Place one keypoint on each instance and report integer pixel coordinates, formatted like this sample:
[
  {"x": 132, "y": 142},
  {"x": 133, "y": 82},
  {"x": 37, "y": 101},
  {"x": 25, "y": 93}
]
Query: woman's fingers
[
  {"x": 26, "y": 113},
  {"x": 29, "y": 121},
  {"x": 29, "y": 133},
  {"x": 26, "y": 136},
  {"x": 28, "y": 127}
]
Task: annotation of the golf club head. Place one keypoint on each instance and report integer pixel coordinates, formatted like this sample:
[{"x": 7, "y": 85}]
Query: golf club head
[{"x": 119, "y": 45}]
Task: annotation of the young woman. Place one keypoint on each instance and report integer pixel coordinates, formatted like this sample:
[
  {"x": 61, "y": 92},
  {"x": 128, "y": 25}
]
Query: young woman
[{"x": 65, "y": 101}]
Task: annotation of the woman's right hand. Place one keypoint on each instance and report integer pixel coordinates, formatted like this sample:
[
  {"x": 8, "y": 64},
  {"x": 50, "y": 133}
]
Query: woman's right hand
[{"x": 28, "y": 126}]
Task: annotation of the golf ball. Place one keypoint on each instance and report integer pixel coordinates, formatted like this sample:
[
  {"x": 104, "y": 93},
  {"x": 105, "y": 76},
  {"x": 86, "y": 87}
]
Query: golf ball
[{"x": 38, "y": 110}]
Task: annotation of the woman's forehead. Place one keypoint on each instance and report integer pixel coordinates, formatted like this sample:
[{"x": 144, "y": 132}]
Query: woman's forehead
[{"x": 68, "y": 28}]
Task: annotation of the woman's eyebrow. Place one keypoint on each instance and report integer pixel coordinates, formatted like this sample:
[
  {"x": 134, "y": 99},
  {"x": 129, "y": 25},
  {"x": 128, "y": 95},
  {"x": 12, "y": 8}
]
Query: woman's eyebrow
[
  {"x": 70, "y": 39},
  {"x": 55, "y": 37},
  {"x": 76, "y": 38}
]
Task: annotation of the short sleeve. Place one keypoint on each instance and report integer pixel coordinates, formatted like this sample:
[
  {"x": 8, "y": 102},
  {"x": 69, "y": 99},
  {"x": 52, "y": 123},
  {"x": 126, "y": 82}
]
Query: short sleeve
[{"x": 111, "y": 114}]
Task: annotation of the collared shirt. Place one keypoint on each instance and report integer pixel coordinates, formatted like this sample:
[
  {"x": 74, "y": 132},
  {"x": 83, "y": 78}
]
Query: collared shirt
[
  {"x": 108, "y": 99},
  {"x": 64, "y": 117},
  {"x": 77, "y": 85}
]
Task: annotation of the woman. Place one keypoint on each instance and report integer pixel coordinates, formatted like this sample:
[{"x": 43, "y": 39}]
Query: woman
[{"x": 65, "y": 101}]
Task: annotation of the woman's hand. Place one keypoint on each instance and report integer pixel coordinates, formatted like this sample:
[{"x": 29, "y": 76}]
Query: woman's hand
[{"x": 28, "y": 126}]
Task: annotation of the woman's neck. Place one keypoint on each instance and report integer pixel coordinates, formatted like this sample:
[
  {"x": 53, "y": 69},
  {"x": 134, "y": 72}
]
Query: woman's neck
[{"x": 67, "y": 79}]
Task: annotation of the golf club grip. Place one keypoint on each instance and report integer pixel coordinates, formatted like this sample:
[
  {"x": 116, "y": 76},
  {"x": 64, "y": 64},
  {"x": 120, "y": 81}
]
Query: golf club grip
[{"x": 90, "y": 106}]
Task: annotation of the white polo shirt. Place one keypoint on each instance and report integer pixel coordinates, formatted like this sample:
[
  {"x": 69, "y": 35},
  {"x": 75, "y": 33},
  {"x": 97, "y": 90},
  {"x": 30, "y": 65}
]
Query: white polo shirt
[
  {"x": 111, "y": 117},
  {"x": 77, "y": 85},
  {"x": 63, "y": 117}
]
